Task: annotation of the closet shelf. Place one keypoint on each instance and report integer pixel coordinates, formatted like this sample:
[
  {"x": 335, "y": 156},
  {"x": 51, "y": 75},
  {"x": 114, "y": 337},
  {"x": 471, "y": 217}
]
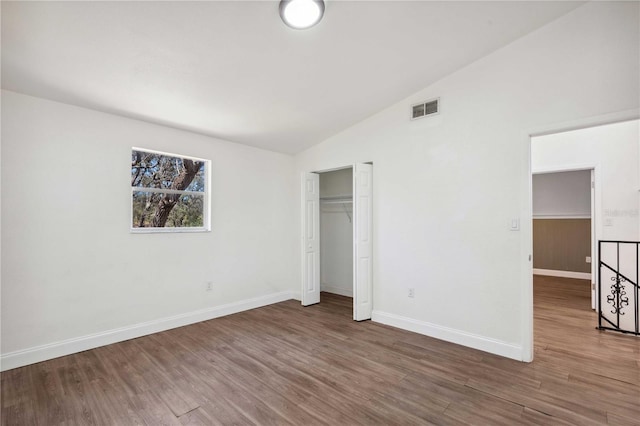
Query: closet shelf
[
  {"x": 336, "y": 201},
  {"x": 342, "y": 200},
  {"x": 347, "y": 199}
]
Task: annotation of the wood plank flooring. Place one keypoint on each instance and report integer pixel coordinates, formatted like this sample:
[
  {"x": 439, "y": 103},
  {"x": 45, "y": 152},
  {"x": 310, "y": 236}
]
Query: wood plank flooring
[{"x": 288, "y": 365}]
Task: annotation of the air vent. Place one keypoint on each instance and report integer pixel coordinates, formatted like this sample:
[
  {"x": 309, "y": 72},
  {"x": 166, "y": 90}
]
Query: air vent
[{"x": 425, "y": 108}]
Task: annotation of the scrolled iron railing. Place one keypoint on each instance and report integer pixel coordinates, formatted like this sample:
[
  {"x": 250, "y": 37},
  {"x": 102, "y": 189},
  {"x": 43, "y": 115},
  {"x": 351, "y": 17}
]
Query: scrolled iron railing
[{"x": 618, "y": 290}]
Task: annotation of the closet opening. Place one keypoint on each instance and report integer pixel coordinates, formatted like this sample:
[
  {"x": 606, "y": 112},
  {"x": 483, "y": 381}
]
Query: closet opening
[
  {"x": 337, "y": 238},
  {"x": 336, "y": 234}
]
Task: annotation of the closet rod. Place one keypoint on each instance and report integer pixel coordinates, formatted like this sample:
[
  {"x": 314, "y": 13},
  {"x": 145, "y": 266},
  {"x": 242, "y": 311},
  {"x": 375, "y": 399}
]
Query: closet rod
[{"x": 338, "y": 199}]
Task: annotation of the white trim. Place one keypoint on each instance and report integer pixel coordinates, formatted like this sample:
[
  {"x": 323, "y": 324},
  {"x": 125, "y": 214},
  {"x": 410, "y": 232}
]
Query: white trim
[
  {"x": 585, "y": 123},
  {"x": 66, "y": 347},
  {"x": 575, "y": 216},
  {"x": 334, "y": 169},
  {"x": 572, "y": 167},
  {"x": 168, "y": 154},
  {"x": 170, "y": 230},
  {"x": 452, "y": 335},
  {"x": 296, "y": 295},
  {"x": 562, "y": 274},
  {"x": 526, "y": 252},
  {"x": 336, "y": 290}
]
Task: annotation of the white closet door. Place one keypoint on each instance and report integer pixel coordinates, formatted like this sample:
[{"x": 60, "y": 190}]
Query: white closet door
[
  {"x": 311, "y": 239},
  {"x": 363, "y": 241}
]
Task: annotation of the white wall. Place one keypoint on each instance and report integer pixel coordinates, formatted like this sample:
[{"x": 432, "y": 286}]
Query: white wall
[
  {"x": 70, "y": 267},
  {"x": 447, "y": 187},
  {"x": 563, "y": 194},
  {"x": 336, "y": 234},
  {"x": 613, "y": 150}
]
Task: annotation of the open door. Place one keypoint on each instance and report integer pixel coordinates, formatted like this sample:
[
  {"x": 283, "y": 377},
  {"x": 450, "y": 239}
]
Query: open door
[
  {"x": 362, "y": 241},
  {"x": 311, "y": 239}
]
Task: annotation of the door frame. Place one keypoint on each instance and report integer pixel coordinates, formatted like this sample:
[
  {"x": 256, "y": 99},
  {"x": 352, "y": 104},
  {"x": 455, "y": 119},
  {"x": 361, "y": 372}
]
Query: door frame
[
  {"x": 354, "y": 225},
  {"x": 526, "y": 240},
  {"x": 596, "y": 205}
]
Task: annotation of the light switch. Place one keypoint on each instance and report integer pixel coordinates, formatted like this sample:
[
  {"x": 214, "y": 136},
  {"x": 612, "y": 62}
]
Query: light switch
[{"x": 515, "y": 224}]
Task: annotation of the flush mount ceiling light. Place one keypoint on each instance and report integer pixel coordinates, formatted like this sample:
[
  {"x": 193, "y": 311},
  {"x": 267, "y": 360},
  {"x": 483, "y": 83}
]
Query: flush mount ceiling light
[{"x": 301, "y": 14}]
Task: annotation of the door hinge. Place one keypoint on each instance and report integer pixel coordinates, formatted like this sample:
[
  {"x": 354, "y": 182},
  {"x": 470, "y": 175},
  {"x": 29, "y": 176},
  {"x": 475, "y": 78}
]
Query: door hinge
[{"x": 593, "y": 286}]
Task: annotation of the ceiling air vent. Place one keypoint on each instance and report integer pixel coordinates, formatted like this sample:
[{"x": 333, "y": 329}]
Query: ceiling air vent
[{"x": 425, "y": 108}]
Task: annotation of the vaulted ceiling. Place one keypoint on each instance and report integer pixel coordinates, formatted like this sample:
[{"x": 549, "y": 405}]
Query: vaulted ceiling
[{"x": 233, "y": 70}]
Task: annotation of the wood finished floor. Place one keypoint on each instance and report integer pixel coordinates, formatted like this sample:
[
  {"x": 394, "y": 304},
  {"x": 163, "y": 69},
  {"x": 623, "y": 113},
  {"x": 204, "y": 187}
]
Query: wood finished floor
[{"x": 284, "y": 364}]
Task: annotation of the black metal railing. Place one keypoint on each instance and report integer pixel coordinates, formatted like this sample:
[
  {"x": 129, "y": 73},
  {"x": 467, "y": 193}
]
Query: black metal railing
[{"x": 618, "y": 305}]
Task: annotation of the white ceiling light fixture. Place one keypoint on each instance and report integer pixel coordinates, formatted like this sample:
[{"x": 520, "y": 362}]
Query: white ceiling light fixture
[{"x": 301, "y": 14}]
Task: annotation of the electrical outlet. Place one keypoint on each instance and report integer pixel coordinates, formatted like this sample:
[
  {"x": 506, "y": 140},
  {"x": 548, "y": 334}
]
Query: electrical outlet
[
  {"x": 209, "y": 286},
  {"x": 588, "y": 259},
  {"x": 412, "y": 292}
]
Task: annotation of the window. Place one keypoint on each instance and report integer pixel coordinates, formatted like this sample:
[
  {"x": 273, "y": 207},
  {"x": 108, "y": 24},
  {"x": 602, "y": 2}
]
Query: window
[{"x": 169, "y": 193}]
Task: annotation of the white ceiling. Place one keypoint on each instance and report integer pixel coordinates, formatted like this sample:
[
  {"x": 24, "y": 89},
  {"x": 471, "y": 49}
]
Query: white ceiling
[{"x": 233, "y": 70}]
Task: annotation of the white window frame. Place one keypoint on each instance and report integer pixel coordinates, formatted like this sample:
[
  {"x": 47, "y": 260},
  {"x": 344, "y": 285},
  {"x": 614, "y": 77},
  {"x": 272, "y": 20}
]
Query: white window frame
[{"x": 206, "y": 202}]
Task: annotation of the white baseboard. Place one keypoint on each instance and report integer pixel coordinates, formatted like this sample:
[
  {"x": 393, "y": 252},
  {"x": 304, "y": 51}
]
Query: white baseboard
[
  {"x": 562, "y": 274},
  {"x": 336, "y": 290},
  {"x": 459, "y": 337},
  {"x": 66, "y": 347}
]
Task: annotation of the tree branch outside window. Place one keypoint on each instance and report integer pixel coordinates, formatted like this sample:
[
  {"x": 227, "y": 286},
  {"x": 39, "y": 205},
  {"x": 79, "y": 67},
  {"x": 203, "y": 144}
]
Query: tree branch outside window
[{"x": 168, "y": 191}]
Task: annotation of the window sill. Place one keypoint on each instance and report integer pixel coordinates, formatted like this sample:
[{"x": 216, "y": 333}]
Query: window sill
[{"x": 166, "y": 230}]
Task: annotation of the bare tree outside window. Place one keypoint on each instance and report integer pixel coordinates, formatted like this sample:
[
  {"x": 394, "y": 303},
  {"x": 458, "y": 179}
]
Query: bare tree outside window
[{"x": 167, "y": 191}]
